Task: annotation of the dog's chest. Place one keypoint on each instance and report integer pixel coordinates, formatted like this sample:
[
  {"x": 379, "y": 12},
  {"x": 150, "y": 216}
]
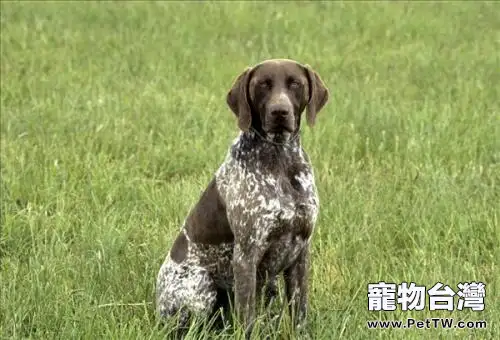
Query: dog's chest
[
  {"x": 277, "y": 210},
  {"x": 286, "y": 220},
  {"x": 286, "y": 204},
  {"x": 271, "y": 204}
]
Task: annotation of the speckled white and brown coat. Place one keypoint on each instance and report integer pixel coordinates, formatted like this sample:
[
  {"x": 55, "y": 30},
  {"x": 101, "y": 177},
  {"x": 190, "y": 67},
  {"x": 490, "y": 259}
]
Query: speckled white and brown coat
[{"x": 256, "y": 217}]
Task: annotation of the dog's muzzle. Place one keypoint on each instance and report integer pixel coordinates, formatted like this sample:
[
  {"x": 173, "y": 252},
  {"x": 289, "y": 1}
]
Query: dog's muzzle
[{"x": 279, "y": 114}]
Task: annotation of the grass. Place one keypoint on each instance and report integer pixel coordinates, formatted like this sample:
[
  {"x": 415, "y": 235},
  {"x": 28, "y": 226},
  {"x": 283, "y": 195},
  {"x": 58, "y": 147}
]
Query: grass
[{"x": 113, "y": 119}]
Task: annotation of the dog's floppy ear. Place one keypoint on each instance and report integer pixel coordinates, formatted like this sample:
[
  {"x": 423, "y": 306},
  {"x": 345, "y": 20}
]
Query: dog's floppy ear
[
  {"x": 318, "y": 95},
  {"x": 238, "y": 102}
]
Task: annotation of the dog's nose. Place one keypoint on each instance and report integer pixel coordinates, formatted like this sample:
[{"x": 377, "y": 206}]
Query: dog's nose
[
  {"x": 280, "y": 112},
  {"x": 280, "y": 106}
]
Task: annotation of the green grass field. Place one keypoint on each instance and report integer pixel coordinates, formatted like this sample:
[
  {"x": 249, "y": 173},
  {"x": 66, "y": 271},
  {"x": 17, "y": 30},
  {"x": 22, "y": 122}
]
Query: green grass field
[{"x": 113, "y": 120}]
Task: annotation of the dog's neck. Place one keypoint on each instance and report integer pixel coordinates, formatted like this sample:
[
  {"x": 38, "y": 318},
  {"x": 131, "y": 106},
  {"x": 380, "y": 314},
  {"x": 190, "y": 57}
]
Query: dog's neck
[
  {"x": 254, "y": 149},
  {"x": 273, "y": 141},
  {"x": 285, "y": 139}
]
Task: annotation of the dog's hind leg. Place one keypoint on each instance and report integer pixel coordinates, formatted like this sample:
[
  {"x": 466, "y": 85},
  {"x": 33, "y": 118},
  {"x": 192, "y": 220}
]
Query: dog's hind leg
[
  {"x": 184, "y": 290},
  {"x": 270, "y": 291}
]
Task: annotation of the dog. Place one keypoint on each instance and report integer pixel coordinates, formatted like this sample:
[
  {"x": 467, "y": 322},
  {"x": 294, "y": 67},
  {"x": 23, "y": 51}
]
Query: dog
[{"x": 255, "y": 219}]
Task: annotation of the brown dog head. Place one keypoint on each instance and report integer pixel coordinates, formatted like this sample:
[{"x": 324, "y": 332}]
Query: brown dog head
[{"x": 271, "y": 96}]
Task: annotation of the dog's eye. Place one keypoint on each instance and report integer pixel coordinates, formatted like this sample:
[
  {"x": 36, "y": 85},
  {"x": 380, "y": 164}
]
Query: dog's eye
[
  {"x": 294, "y": 84},
  {"x": 265, "y": 84}
]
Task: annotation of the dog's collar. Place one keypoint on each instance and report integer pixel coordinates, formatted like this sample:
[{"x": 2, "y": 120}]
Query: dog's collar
[{"x": 288, "y": 142}]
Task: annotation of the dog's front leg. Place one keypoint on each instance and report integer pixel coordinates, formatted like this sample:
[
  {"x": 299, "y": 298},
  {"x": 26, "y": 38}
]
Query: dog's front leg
[
  {"x": 245, "y": 276},
  {"x": 296, "y": 277}
]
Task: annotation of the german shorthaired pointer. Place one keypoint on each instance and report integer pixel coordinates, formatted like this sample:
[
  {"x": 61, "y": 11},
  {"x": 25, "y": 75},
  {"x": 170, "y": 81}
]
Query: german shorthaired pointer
[{"x": 255, "y": 219}]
